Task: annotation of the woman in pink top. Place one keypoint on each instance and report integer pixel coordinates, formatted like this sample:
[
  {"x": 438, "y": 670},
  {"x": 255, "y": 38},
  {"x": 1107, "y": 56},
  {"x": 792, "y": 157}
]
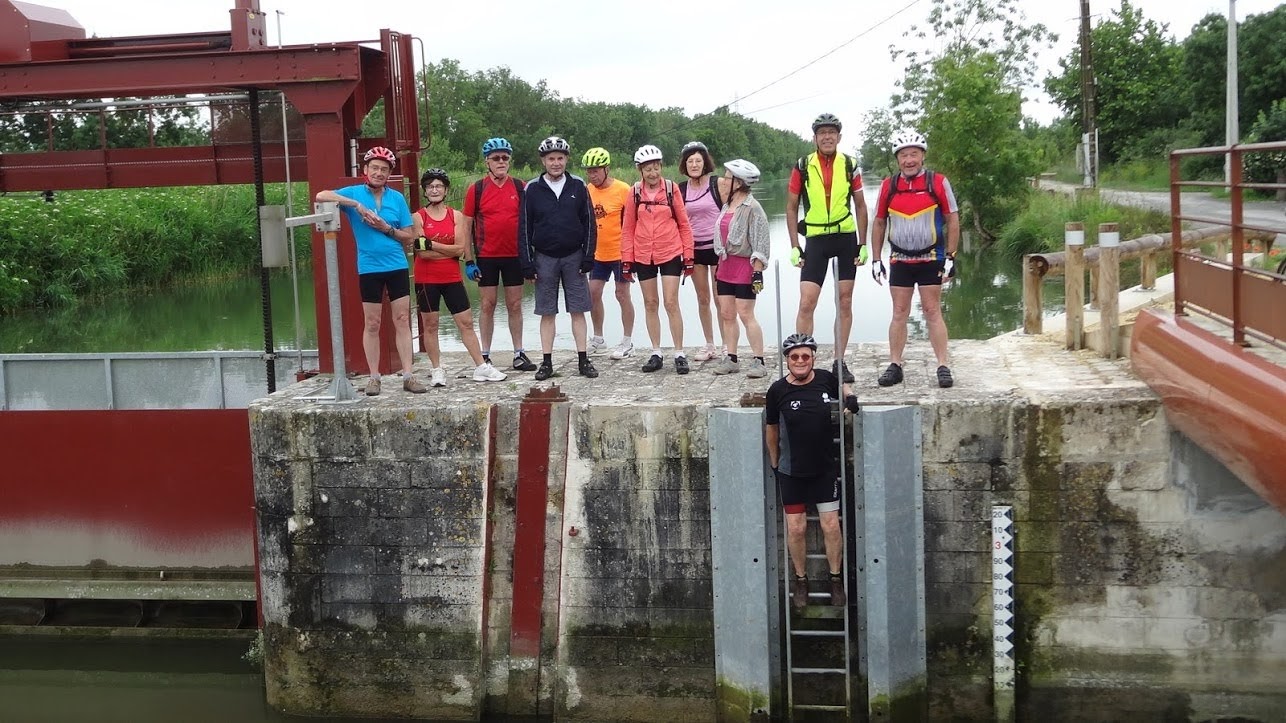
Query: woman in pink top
[
  {"x": 741, "y": 243},
  {"x": 702, "y": 200},
  {"x": 656, "y": 240}
]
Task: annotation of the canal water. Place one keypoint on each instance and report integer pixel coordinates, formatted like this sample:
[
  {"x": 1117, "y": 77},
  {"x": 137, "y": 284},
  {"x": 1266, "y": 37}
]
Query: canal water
[{"x": 228, "y": 314}]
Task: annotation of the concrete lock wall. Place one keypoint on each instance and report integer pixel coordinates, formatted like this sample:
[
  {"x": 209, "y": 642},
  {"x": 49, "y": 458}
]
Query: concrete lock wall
[{"x": 1140, "y": 591}]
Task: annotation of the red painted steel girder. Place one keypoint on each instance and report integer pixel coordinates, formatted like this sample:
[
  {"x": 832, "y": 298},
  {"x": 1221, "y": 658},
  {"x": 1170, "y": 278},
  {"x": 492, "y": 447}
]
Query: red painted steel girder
[
  {"x": 144, "y": 167},
  {"x": 179, "y": 73},
  {"x": 1226, "y": 399}
]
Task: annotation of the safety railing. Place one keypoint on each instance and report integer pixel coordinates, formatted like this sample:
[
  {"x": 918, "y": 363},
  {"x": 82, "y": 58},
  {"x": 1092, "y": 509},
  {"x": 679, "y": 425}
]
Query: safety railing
[
  {"x": 141, "y": 380},
  {"x": 1251, "y": 300}
]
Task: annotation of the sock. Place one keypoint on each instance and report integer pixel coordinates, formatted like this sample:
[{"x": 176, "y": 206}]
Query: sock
[
  {"x": 518, "y": 351},
  {"x": 597, "y": 338},
  {"x": 627, "y": 340},
  {"x": 732, "y": 358},
  {"x": 375, "y": 376},
  {"x": 583, "y": 356},
  {"x": 679, "y": 353},
  {"x": 486, "y": 357},
  {"x": 759, "y": 359},
  {"x": 549, "y": 359},
  {"x": 801, "y": 577},
  {"x": 837, "y": 575}
]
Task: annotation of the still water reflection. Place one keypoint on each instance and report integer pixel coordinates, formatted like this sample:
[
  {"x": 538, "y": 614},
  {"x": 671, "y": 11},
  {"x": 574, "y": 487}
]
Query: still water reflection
[{"x": 228, "y": 314}]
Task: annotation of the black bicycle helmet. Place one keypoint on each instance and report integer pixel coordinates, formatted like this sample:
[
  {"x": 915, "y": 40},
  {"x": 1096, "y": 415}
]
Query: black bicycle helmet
[
  {"x": 827, "y": 119},
  {"x": 794, "y": 341},
  {"x": 435, "y": 174}
]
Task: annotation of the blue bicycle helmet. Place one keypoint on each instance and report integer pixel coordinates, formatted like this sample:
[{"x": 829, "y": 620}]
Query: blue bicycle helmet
[{"x": 491, "y": 145}]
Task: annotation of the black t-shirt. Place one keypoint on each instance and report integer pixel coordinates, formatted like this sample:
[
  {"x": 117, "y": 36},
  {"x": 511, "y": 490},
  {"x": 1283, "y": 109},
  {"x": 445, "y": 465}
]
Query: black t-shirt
[{"x": 806, "y": 436}]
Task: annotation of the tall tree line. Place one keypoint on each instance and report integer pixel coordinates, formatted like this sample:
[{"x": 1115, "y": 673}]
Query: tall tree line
[{"x": 468, "y": 107}]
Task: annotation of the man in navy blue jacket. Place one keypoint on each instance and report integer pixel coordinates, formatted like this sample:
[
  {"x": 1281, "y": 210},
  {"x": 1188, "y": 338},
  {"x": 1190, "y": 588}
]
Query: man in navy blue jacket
[{"x": 556, "y": 238}]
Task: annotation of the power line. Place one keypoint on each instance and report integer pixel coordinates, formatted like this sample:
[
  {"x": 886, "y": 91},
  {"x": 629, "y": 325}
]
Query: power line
[
  {"x": 801, "y": 68},
  {"x": 830, "y": 52}
]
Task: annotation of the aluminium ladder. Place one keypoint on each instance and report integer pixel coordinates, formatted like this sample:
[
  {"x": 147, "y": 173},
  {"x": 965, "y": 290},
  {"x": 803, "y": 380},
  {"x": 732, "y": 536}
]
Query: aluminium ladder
[{"x": 809, "y": 631}]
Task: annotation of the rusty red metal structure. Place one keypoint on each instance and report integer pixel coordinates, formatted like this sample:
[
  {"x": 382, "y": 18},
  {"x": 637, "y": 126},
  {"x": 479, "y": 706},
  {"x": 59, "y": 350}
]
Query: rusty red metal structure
[
  {"x": 1228, "y": 400},
  {"x": 45, "y": 56}
]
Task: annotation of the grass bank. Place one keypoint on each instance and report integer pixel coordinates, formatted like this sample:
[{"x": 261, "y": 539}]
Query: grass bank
[
  {"x": 89, "y": 243},
  {"x": 1039, "y": 227}
]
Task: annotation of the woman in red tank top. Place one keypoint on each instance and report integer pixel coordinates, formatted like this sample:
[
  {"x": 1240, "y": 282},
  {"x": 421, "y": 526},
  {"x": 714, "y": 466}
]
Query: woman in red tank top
[{"x": 439, "y": 244}]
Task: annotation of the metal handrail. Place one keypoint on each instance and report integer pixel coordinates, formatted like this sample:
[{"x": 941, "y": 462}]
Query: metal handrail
[{"x": 1237, "y": 269}]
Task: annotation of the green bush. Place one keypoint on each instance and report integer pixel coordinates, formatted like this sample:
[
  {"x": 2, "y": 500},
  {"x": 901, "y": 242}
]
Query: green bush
[
  {"x": 1039, "y": 227},
  {"x": 88, "y": 243}
]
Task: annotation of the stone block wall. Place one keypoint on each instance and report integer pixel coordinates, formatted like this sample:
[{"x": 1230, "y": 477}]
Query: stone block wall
[
  {"x": 1126, "y": 580},
  {"x": 387, "y": 539},
  {"x": 371, "y": 532},
  {"x": 636, "y": 633}
]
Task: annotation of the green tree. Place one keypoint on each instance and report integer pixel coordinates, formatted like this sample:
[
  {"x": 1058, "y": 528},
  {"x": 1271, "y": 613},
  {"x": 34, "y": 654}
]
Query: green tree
[
  {"x": 1261, "y": 64},
  {"x": 1264, "y": 166},
  {"x": 1135, "y": 64},
  {"x": 966, "y": 96},
  {"x": 877, "y": 128}
]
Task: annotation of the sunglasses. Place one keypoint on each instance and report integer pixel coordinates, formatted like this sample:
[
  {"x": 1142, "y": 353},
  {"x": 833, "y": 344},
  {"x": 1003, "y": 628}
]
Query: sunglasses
[
  {"x": 799, "y": 357},
  {"x": 498, "y": 159}
]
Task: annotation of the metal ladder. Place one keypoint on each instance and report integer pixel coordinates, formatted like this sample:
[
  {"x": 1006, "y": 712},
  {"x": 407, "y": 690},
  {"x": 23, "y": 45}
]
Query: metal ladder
[{"x": 825, "y": 615}]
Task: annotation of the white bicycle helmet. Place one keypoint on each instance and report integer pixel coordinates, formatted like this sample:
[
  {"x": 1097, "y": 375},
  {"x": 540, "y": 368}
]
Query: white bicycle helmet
[
  {"x": 743, "y": 169},
  {"x": 646, "y": 153},
  {"x": 553, "y": 144},
  {"x": 909, "y": 138}
]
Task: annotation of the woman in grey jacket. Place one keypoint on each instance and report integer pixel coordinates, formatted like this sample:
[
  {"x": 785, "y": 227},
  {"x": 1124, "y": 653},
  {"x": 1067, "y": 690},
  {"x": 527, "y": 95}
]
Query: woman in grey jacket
[{"x": 741, "y": 242}]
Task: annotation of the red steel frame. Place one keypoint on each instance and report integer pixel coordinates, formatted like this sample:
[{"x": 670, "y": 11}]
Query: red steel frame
[{"x": 333, "y": 86}]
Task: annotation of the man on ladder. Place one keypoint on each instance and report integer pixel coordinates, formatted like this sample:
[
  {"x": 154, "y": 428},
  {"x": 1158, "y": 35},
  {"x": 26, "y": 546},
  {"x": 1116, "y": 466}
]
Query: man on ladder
[{"x": 800, "y": 440}]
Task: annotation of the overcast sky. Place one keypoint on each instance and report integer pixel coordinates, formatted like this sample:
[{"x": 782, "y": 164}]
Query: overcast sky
[{"x": 692, "y": 55}]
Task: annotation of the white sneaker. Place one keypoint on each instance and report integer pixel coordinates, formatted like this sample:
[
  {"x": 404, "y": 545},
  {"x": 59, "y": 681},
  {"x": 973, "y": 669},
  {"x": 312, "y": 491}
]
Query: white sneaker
[
  {"x": 706, "y": 353},
  {"x": 439, "y": 377},
  {"x": 757, "y": 370},
  {"x": 597, "y": 345},
  {"x": 622, "y": 350},
  {"x": 487, "y": 373}
]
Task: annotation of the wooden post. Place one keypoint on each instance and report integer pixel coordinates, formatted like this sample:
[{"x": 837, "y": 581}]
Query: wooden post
[
  {"x": 1109, "y": 265},
  {"x": 1033, "y": 321},
  {"x": 1074, "y": 284},
  {"x": 1148, "y": 271},
  {"x": 1094, "y": 286}
]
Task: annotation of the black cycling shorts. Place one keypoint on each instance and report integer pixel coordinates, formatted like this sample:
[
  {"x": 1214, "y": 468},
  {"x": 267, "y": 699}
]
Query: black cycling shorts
[
  {"x": 799, "y": 492},
  {"x": 911, "y": 273},
  {"x": 818, "y": 252},
  {"x": 430, "y": 297},
  {"x": 673, "y": 267},
  {"x": 497, "y": 268},
  {"x": 372, "y": 285}
]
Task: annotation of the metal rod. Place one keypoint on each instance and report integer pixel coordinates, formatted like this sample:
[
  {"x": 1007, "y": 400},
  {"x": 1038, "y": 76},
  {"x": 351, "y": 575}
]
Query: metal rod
[
  {"x": 340, "y": 389},
  {"x": 265, "y": 288},
  {"x": 781, "y": 358},
  {"x": 290, "y": 211}
]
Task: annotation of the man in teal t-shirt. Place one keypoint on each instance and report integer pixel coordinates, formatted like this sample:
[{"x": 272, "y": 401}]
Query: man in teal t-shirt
[{"x": 381, "y": 224}]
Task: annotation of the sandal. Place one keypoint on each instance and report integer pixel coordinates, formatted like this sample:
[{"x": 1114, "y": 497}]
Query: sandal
[
  {"x": 944, "y": 377},
  {"x": 891, "y": 376}
]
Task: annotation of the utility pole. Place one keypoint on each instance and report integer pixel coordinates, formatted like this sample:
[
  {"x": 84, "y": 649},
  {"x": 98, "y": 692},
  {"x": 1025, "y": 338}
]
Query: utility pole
[
  {"x": 1233, "y": 131},
  {"x": 1089, "y": 123}
]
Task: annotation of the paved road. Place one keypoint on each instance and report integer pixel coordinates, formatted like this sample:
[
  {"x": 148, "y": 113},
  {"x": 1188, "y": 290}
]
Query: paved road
[{"x": 1267, "y": 214}]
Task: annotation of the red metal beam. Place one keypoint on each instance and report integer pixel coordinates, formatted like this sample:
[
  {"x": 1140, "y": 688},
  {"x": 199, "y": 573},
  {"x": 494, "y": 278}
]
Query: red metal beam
[
  {"x": 530, "y": 503},
  {"x": 145, "y": 167},
  {"x": 1226, "y": 399},
  {"x": 178, "y": 73}
]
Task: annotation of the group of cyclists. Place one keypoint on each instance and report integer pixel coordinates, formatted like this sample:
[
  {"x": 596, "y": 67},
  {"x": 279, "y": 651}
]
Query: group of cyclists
[
  {"x": 565, "y": 233},
  {"x": 562, "y": 232}
]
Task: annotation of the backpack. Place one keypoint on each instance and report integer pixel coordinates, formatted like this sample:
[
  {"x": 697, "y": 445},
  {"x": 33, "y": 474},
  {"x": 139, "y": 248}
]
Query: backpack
[
  {"x": 930, "y": 181},
  {"x": 802, "y": 166},
  {"x": 714, "y": 191},
  {"x": 669, "y": 198},
  {"x": 478, "y": 234}
]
